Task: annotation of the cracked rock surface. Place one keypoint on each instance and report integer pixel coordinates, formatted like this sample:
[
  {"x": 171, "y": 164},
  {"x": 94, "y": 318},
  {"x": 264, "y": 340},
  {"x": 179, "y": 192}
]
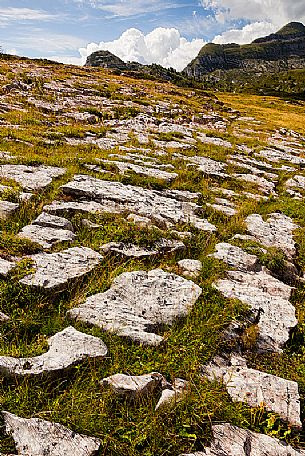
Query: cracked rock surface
[
  {"x": 230, "y": 440},
  {"x": 31, "y": 177},
  {"x": 56, "y": 269},
  {"x": 138, "y": 302},
  {"x": 36, "y": 437},
  {"x": 115, "y": 197},
  {"x": 256, "y": 388}
]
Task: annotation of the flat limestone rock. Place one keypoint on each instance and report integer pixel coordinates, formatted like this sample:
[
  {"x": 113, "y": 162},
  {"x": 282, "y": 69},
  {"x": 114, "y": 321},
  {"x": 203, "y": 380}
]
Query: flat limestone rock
[
  {"x": 236, "y": 257},
  {"x": 268, "y": 297},
  {"x": 6, "y": 267},
  {"x": 133, "y": 385},
  {"x": 256, "y": 388},
  {"x": 7, "y": 209},
  {"x": 36, "y": 437},
  {"x": 46, "y": 236},
  {"x": 31, "y": 177},
  {"x": 56, "y": 269},
  {"x": 296, "y": 181},
  {"x": 277, "y": 231},
  {"x": 275, "y": 155},
  {"x": 66, "y": 348},
  {"x": 115, "y": 197},
  {"x": 138, "y": 302},
  {"x": 230, "y": 440}
]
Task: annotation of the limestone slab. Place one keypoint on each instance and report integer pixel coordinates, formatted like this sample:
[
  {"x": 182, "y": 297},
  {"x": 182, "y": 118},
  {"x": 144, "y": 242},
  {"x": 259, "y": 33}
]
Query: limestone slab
[
  {"x": 36, "y": 437},
  {"x": 236, "y": 257},
  {"x": 268, "y": 297},
  {"x": 66, "y": 348},
  {"x": 138, "y": 303},
  {"x": 257, "y": 388},
  {"x": 230, "y": 440},
  {"x": 31, "y": 177},
  {"x": 7, "y": 209},
  {"x": 54, "y": 270},
  {"x": 277, "y": 231},
  {"x": 133, "y": 385},
  {"x": 115, "y": 197}
]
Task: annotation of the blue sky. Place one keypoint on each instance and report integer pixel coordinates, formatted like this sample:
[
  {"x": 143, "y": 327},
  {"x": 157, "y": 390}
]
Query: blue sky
[{"x": 58, "y": 28}]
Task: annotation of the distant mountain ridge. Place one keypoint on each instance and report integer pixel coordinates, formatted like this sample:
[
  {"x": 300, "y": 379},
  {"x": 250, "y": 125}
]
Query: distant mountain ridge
[{"x": 280, "y": 51}]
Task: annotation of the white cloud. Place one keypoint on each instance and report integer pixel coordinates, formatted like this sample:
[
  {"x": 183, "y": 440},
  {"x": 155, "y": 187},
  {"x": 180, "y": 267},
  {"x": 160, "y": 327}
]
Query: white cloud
[
  {"x": 277, "y": 12},
  {"x": 8, "y": 15},
  {"x": 164, "y": 46},
  {"x": 247, "y": 34}
]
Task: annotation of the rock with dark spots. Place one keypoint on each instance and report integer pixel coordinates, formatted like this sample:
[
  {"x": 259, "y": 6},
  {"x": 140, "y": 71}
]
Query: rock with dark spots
[
  {"x": 132, "y": 250},
  {"x": 36, "y": 437},
  {"x": 256, "y": 388},
  {"x": 138, "y": 303},
  {"x": 66, "y": 348},
  {"x": 55, "y": 270},
  {"x": 115, "y": 197},
  {"x": 277, "y": 231},
  {"x": 267, "y": 296},
  {"x": 7, "y": 209},
  {"x": 236, "y": 257},
  {"x": 133, "y": 386},
  {"x": 230, "y": 440},
  {"x": 31, "y": 177}
]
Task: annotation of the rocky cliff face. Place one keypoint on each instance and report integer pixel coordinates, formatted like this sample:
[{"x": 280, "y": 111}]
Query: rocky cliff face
[{"x": 281, "y": 51}]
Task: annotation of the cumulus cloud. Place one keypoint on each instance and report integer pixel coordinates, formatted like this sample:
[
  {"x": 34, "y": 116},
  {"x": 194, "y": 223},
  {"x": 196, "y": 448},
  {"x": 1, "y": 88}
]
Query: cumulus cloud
[
  {"x": 247, "y": 34},
  {"x": 276, "y": 12},
  {"x": 164, "y": 46}
]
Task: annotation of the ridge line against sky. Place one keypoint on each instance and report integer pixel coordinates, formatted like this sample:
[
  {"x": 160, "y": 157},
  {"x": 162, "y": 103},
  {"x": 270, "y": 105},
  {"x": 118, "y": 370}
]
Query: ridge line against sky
[{"x": 168, "y": 32}]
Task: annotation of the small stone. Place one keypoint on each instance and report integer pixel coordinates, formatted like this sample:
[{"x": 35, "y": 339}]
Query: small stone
[
  {"x": 256, "y": 388},
  {"x": 7, "y": 209},
  {"x": 138, "y": 303},
  {"x": 88, "y": 224},
  {"x": 190, "y": 267},
  {"x": 46, "y": 236},
  {"x": 131, "y": 385},
  {"x": 56, "y": 269},
  {"x": 36, "y": 437},
  {"x": 6, "y": 267},
  {"x": 52, "y": 221},
  {"x": 142, "y": 222},
  {"x": 172, "y": 395},
  {"x": 66, "y": 348}
]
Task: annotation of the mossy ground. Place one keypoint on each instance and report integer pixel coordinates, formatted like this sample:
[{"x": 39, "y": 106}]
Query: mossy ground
[{"x": 76, "y": 398}]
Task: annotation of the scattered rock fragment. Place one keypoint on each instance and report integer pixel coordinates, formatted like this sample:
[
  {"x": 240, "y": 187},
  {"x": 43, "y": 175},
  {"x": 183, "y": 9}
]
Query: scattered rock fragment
[
  {"x": 36, "y": 437},
  {"x": 56, "y": 269},
  {"x": 189, "y": 267},
  {"x": 263, "y": 184},
  {"x": 256, "y": 388},
  {"x": 132, "y": 250},
  {"x": 6, "y": 267},
  {"x": 172, "y": 393},
  {"x": 133, "y": 386},
  {"x": 66, "y": 348},
  {"x": 7, "y": 209},
  {"x": 138, "y": 303}
]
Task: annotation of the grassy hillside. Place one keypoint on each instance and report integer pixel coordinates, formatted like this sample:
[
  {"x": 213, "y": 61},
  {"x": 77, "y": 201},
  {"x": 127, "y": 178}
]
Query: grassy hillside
[{"x": 38, "y": 125}]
